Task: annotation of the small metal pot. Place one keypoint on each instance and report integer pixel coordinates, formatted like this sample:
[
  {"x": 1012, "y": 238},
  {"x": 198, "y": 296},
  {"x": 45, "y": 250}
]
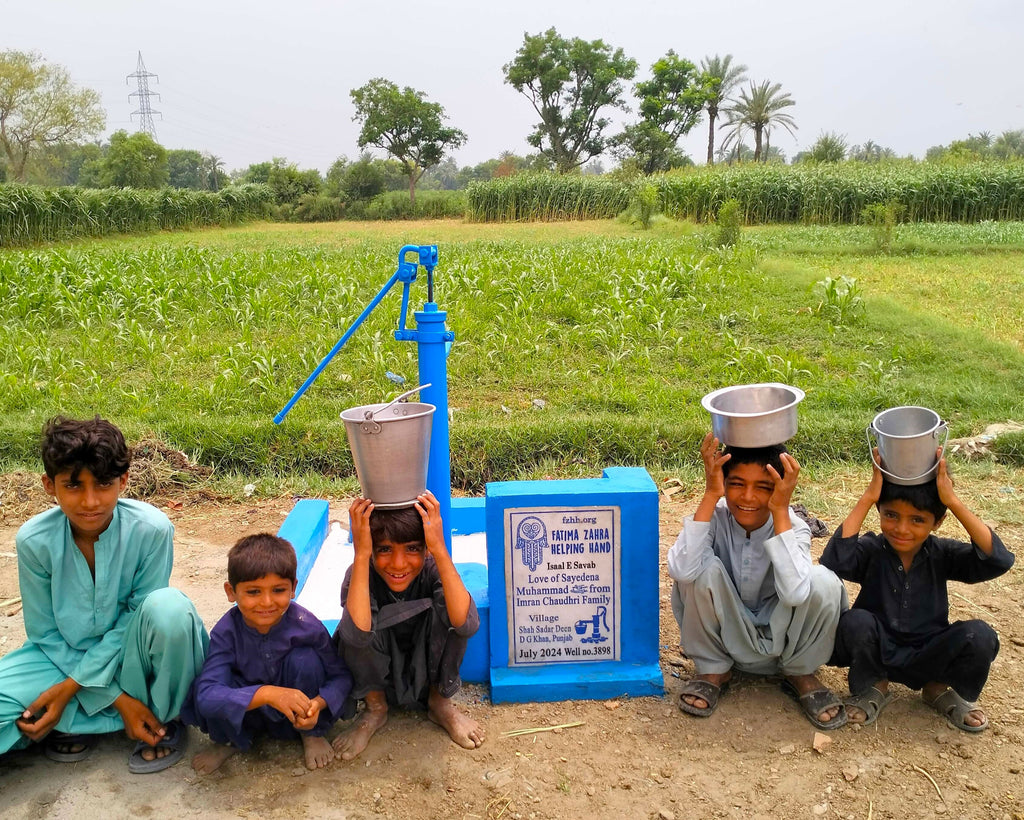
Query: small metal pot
[{"x": 753, "y": 415}]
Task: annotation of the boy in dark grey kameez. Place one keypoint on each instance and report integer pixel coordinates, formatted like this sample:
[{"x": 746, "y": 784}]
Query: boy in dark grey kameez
[{"x": 407, "y": 620}]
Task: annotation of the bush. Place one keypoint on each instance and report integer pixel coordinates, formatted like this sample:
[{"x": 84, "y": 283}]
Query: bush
[
  {"x": 318, "y": 208},
  {"x": 882, "y": 218},
  {"x": 729, "y": 222},
  {"x": 395, "y": 205},
  {"x": 643, "y": 205}
]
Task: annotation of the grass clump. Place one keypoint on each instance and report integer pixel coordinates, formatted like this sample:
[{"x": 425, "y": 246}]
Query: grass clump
[{"x": 839, "y": 300}]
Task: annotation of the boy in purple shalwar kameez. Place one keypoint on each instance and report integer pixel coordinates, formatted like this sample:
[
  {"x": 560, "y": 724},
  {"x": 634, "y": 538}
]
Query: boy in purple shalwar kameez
[{"x": 271, "y": 667}]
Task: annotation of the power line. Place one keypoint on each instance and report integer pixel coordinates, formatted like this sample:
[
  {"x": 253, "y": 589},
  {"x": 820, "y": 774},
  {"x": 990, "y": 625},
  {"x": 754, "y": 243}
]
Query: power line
[{"x": 145, "y": 112}]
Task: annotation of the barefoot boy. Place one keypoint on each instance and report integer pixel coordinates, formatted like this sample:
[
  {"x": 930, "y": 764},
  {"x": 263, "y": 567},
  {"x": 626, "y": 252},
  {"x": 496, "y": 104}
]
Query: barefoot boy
[
  {"x": 898, "y": 629},
  {"x": 271, "y": 668},
  {"x": 407, "y": 619},
  {"x": 747, "y": 596},
  {"x": 110, "y": 646}
]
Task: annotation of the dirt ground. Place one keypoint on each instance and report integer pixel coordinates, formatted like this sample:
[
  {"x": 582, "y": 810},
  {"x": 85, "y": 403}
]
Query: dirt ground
[{"x": 754, "y": 758}]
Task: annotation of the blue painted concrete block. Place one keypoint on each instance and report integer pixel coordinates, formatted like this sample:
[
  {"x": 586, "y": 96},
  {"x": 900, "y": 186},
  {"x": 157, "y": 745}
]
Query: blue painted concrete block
[
  {"x": 467, "y": 515},
  {"x": 577, "y": 561},
  {"x": 476, "y": 664},
  {"x": 306, "y": 528}
]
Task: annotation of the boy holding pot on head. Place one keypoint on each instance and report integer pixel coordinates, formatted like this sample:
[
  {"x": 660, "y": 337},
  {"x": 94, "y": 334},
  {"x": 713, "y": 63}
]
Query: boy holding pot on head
[
  {"x": 747, "y": 596},
  {"x": 407, "y": 620},
  {"x": 898, "y": 629}
]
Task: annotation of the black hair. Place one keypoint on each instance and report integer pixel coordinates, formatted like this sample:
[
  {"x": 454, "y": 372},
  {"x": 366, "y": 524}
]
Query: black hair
[
  {"x": 74, "y": 445},
  {"x": 756, "y": 455},
  {"x": 397, "y": 526},
  {"x": 920, "y": 496},
  {"x": 254, "y": 556}
]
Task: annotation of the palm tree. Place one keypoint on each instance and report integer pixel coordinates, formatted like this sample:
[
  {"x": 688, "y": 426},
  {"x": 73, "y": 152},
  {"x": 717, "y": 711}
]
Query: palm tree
[
  {"x": 722, "y": 77},
  {"x": 213, "y": 169},
  {"x": 759, "y": 109}
]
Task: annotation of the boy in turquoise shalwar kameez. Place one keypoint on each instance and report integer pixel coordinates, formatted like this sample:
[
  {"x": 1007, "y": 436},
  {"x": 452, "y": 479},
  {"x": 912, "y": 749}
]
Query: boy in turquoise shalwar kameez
[{"x": 110, "y": 646}]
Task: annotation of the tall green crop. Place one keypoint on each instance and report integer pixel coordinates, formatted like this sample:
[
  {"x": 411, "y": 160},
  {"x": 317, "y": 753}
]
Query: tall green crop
[{"x": 30, "y": 214}]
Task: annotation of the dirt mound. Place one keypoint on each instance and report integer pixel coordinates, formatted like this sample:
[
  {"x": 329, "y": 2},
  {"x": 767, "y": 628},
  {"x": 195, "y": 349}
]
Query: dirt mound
[{"x": 158, "y": 470}]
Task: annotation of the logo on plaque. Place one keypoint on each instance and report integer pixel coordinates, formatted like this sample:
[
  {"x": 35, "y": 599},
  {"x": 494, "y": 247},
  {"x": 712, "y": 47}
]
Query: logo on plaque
[{"x": 531, "y": 538}]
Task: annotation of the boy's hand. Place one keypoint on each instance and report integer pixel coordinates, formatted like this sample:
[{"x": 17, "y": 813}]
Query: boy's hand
[
  {"x": 139, "y": 722},
  {"x": 359, "y": 522},
  {"x": 944, "y": 482},
  {"x": 784, "y": 485},
  {"x": 874, "y": 489},
  {"x": 433, "y": 528},
  {"x": 292, "y": 703},
  {"x": 42, "y": 715},
  {"x": 308, "y": 721},
  {"x": 713, "y": 458}
]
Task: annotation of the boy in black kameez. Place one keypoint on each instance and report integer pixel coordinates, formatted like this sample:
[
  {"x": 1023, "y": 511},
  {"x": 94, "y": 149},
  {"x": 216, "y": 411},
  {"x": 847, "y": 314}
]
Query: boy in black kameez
[
  {"x": 407, "y": 620},
  {"x": 898, "y": 629}
]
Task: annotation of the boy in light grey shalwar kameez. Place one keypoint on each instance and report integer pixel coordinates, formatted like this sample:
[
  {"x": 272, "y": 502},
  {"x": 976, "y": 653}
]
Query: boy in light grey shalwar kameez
[{"x": 747, "y": 595}]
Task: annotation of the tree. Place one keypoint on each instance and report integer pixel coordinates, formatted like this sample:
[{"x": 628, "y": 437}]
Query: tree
[
  {"x": 213, "y": 172},
  {"x": 40, "y": 106},
  {"x": 759, "y": 109},
  {"x": 671, "y": 103},
  {"x": 870, "y": 151},
  {"x": 829, "y": 147},
  {"x": 363, "y": 179},
  {"x": 185, "y": 169},
  {"x": 721, "y": 77},
  {"x": 407, "y": 126},
  {"x": 444, "y": 176},
  {"x": 569, "y": 82},
  {"x": 55, "y": 165},
  {"x": 1009, "y": 145},
  {"x": 287, "y": 181},
  {"x": 135, "y": 161}
]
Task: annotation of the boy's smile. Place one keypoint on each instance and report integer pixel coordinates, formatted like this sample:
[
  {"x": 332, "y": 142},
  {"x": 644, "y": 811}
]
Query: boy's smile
[
  {"x": 262, "y": 602},
  {"x": 398, "y": 564},
  {"x": 905, "y": 527},
  {"x": 88, "y": 503},
  {"x": 747, "y": 490}
]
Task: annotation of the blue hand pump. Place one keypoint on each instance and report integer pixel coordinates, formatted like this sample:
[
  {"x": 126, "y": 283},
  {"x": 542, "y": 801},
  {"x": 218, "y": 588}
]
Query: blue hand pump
[{"x": 433, "y": 342}]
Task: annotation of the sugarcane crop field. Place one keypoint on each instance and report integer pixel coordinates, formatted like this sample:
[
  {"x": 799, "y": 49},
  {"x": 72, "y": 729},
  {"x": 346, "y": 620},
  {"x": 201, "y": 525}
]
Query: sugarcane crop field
[{"x": 578, "y": 345}]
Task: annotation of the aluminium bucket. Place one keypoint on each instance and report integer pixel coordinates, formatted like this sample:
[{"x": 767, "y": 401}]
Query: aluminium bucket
[
  {"x": 753, "y": 415},
  {"x": 391, "y": 449},
  {"x": 908, "y": 439}
]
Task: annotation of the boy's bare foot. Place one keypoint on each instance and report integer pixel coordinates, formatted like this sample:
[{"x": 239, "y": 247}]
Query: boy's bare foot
[
  {"x": 319, "y": 751},
  {"x": 460, "y": 727},
  {"x": 717, "y": 680},
  {"x": 351, "y": 743},
  {"x": 211, "y": 760},
  {"x": 804, "y": 684}
]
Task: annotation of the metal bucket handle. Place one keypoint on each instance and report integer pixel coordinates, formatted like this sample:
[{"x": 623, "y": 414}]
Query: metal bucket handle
[
  {"x": 873, "y": 444},
  {"x": 370, "y": 426}
]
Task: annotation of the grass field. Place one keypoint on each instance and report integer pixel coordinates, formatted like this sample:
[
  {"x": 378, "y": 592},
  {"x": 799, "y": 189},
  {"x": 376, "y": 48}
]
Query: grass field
[{"x": 198, "y": 338}]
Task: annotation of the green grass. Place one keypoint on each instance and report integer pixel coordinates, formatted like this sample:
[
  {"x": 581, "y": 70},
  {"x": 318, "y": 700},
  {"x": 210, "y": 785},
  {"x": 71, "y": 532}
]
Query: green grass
[{"x": 199, "y": 338}]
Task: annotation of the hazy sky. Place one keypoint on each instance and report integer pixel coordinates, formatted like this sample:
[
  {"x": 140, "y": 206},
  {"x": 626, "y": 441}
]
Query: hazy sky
[{"x": 252, "y": 80}]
